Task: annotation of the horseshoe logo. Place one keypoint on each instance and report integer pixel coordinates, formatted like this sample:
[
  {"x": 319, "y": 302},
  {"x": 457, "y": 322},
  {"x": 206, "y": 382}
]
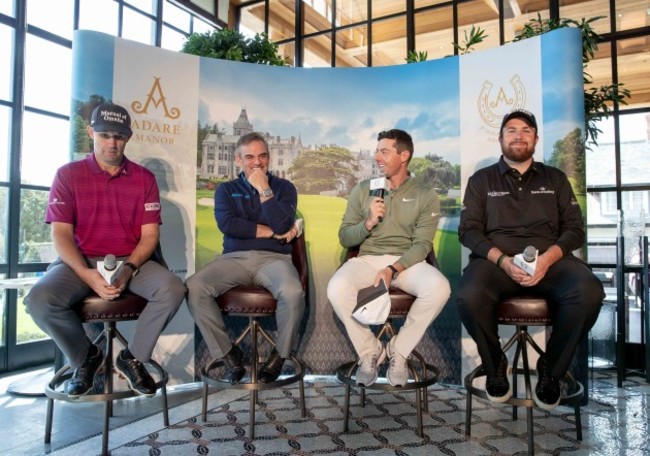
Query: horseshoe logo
[{"x": 493, "y": 108}]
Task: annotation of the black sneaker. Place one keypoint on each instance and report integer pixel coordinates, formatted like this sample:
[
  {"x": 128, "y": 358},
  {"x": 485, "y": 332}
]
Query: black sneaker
[
  {"x": 271, "y": 369},
  {"x": 547, "y": 392},
  {"x": 84, "y": 375},
  {"x": 136, "y": 375},
  {"x": 234, "y": 368},
  {"x": 497, "y": 387}
]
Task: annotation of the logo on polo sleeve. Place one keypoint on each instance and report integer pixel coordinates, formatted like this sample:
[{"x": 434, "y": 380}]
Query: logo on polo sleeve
[{"x": 151, "y": 207}]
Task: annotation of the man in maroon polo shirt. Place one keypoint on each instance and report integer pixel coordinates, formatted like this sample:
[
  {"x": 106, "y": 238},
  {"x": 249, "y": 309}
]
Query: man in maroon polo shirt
[{"x": 105, "y": 205}]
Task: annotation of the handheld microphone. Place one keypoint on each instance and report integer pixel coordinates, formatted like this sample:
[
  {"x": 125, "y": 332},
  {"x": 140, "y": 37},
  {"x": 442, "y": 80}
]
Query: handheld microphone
[
  {"x": 110, "y": 268},
  {"x": 527, "y": 260},
  {"x": 379, "y": 187}
]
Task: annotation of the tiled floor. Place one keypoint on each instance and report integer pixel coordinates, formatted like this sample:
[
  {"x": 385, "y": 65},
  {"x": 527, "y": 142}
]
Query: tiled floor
[{"x": 615, "y": 422}]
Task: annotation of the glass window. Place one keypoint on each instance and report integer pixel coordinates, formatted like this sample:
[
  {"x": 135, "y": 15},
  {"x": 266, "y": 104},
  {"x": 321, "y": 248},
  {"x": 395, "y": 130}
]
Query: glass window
[
  {"x": 317, "y": 17},
  {"x": 317, "y": 51},
  {"x": 176, "y": 16},
  {"x": 143, "y": 5},
  {"x": 99, "y": 15},
  {"x": 635, "y": 148},
  {"x": 47, "y": 86},
  {"x": 138, "y": 27},
  {"x": 46, "y": 146},
  {"x": 587, "y": 9},
  {"x": 56, "y": 17},
  {"x": 632, "y": 14},
  {"x": 381, "y": 8},
  {"x": 478, "y": 13},
  {"x": 206, "y": 5},
  {"x": 288, "y": 50},
  {"x": 172, "y": 40},
  {"x": 389, "y": 42},
  {"x": 199, "y": 26},
  {"x": 601, "y": 161},
  {"x": 4, "y": 223},
  {"x": 282, "y": 19},
  {"x": 351, "y": 11},
  {"x": 26, "y": 329},
  {"x": 35, "y": 239},
  {"x": 602, "y": 227},
  {"x": 634, "y": 70},
  {"x": 252, "y": 19},
  {"x": 434, "y": 33},
  {"x": 352, "y": 47},
  {"x": 600, "y": 67},
  {"x": 7, "y": 8},
  {"x": 422, "y": 3},
  {"x": 516, "y": 16},
  {"x": 5, "y": 129},
  {"x": 6, "y": 75}
]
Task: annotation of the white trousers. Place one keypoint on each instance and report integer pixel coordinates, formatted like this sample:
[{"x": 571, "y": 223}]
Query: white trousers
[{"x": 422, "y": 280}]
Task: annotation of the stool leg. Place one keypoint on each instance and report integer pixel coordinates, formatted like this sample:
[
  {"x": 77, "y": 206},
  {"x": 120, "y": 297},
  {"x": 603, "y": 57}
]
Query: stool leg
[
  {"x": 418, "y": 404},
  {"x": 576, "y": 407},
  {"x": 254, "y": 355},
  {"x": 303, "y": 408},
  {"x": 204, "y": 405},
  {"x": 48, "y": 420},
  {"x": 346, "y": 407},
  {"x": 108, "y": 411},
  {"x": 165, "y": 406},
  {"x": 529, "y": 426},
  {"x": 468, "y": 413}
]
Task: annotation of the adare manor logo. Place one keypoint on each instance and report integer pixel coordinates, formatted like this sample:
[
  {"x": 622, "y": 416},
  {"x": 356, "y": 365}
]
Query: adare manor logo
[
  {"x": 147, "y": 128},
  {"x": 494, "y": 103},
  {"x": 157, "y": 98}
]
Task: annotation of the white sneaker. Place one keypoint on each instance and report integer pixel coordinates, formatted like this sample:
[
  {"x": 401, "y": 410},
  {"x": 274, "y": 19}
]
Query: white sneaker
[
  {"x": 368, "y": 366},
  {"x": 398, "y": 371}
]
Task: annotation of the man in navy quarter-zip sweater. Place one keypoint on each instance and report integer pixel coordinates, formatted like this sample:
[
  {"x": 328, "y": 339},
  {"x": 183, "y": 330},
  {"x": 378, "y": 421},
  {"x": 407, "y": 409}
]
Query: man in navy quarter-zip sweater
[{"x": 256, "y": 214}]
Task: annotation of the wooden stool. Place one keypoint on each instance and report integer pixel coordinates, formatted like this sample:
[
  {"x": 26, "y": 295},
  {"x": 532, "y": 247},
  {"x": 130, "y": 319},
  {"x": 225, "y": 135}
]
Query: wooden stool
[
  {"x": 423, "y": 374},
  {"x": 94, "y": 309},
  {"x": 522, "y": 312},
  {"x": 255, "y": 302}
]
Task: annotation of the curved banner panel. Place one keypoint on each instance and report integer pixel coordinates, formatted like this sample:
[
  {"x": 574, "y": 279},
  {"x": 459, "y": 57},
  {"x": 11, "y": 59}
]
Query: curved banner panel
[{"x": 322, "y": 126}]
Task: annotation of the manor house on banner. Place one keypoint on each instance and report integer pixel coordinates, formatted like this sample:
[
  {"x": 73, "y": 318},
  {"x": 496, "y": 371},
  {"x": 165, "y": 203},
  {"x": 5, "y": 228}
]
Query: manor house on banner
[{"x": 218, "y": 151}]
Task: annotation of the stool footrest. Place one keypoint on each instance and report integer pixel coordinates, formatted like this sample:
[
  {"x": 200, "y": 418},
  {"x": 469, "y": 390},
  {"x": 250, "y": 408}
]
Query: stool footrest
[{"x": 299, "y": 374}]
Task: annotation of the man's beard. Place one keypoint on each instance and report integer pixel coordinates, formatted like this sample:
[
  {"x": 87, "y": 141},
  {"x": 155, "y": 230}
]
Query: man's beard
[{"x": 517, "y": 154}]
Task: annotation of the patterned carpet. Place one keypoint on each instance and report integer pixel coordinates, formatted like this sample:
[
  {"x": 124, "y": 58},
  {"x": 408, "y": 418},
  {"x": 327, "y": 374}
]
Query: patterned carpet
[{"x": 614, "y": 422}]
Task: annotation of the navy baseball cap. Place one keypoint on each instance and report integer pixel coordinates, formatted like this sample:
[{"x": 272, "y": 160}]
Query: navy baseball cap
[
  {"x": 522, "y": 114},
  {"x": 111, "y": 117}
]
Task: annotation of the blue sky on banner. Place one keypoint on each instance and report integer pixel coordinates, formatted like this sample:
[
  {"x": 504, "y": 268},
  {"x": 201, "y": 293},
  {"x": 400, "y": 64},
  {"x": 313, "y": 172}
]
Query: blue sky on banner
[{"x": 342, "y": 106}]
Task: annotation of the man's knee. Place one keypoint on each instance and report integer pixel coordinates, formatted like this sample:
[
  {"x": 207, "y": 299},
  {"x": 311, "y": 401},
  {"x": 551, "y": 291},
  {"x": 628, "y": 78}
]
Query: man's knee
[{"x": 37, "y": 301}]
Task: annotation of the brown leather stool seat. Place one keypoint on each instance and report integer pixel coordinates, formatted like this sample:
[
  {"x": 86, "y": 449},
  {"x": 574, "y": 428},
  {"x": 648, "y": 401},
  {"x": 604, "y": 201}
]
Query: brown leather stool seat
[
  {"x": 94, "y": 309},
  {"x": 523, "y": 311},
  {"x": 423, "y": 374},
  {"x": 255, "y": 302}
]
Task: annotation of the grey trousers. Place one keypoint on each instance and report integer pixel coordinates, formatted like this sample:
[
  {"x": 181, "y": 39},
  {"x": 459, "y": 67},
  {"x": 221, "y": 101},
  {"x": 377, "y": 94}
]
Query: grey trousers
[
  {"x": 50, "y": 303},
  {"x": 271, "y": 270}
]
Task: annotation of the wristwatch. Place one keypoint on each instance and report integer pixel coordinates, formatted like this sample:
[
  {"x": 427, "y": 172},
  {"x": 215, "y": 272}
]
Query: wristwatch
[
  {"x": 133, "y": 267},
  {"x": 266, "y": 193},
  {"x": 394, "y": 269}
]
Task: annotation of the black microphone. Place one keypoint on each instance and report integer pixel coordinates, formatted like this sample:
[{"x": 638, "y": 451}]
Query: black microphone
[
  {"x": 110, "y": 268},
  {"x": 379, "y": 187}
]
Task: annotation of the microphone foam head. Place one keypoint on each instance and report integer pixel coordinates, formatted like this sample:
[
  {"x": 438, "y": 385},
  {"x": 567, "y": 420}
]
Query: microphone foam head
[
  {"x": 529, "y": 254},
  {"x": 110, "y": 262}
]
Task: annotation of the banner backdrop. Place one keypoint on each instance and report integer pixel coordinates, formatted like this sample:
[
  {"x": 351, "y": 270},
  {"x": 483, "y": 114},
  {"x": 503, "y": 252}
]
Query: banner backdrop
[{"x": 322, "y": 126}]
